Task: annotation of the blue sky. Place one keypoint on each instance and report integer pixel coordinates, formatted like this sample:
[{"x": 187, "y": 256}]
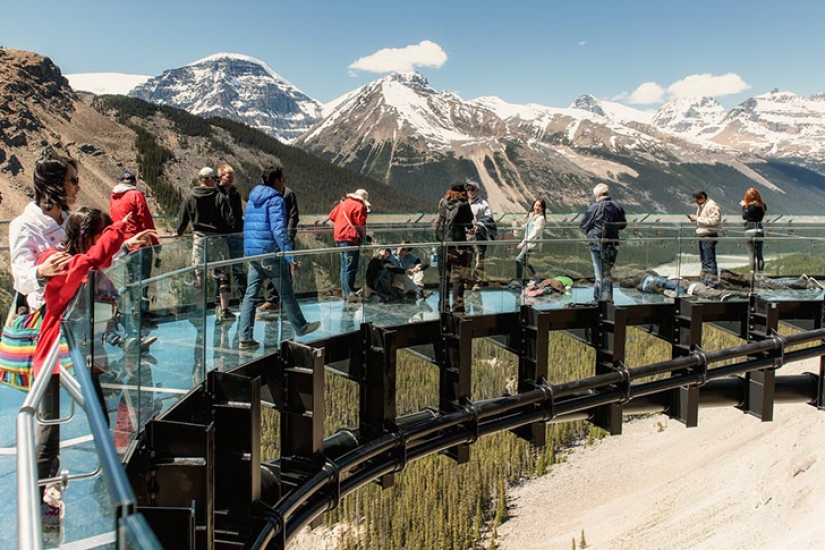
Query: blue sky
[{"x": 641, "y": 52}]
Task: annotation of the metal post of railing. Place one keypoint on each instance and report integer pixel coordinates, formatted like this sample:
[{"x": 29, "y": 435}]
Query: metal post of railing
[{"x": 29, "y": 525}]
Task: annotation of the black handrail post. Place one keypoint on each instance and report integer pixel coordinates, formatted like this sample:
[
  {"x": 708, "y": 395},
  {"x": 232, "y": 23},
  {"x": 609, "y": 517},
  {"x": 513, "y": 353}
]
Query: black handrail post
[
  {"x": 455, "y": 372},
  {"x": 377, "y": 402},
  {"x": 609, "y": 342},
  {"x": 763, "y": 322},
  {"x": 686, "y": 340}
]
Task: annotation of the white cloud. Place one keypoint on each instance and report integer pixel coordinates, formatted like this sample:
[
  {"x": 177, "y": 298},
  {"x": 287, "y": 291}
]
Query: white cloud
[
  {"x": 706, "y": 84},
  {"x": 695, "y": 85},
  {"x": 582, "y": 43},
  {"x": 646, "y": 93},
  {"x": 423, "y": 54}
]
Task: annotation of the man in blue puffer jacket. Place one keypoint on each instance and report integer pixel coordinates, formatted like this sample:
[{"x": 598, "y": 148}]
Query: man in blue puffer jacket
[{"x": 266, "y": 232}]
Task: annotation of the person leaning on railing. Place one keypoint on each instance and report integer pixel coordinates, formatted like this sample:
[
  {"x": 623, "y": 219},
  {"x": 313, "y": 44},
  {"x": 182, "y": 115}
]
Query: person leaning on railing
[{"x": 40, "y": 227}]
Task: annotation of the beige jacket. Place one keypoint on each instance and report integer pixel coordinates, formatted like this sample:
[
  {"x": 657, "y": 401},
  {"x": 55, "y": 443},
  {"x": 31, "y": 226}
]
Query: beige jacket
[{"x": 708, "y": 218}]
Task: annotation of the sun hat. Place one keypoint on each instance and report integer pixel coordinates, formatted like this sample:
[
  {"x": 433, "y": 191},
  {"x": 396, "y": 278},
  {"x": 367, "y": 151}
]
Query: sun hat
[{"x": 363, "y": 196}]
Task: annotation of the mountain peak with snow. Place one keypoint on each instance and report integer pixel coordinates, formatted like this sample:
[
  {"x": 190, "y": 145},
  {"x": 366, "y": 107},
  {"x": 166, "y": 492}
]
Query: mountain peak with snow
[
  {"x": 690, "y": 117},
  {"x": 238, "y": 87}
]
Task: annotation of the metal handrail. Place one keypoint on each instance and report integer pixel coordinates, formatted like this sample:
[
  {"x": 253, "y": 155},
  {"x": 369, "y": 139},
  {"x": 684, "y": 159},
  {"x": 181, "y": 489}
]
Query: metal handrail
[
  {"x": 81, "y": 391},
  {"x": 29, "y": 525}
]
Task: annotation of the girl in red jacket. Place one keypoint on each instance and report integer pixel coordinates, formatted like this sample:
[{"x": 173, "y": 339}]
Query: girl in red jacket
[{"x": 92, "y": 240}]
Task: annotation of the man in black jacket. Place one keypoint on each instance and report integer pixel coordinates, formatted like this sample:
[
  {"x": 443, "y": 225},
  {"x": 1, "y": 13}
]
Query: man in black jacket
[
  {"x": 211, "y": 217},
  {"x": 602, "y": 222}
]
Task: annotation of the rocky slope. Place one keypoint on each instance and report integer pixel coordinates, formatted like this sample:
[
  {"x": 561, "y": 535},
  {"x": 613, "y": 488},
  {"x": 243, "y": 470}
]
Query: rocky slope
[
  {"x": 164, "y": 146},
  {"x": 38, "y": 109}
]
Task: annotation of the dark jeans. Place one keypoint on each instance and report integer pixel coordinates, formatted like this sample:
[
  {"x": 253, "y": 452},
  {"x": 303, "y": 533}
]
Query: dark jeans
[
  {"x": 349, "y": 267},
  {"x": 603, "y": 260},
  {"x": 47, "y": 439},
  {"x": 523, "y": 265},
  {"x": 754, "y": 243},
  {"x": 707, "y": 255},
  {"x": 454, "y": 269},
  {"x": 236, "y": 252}
]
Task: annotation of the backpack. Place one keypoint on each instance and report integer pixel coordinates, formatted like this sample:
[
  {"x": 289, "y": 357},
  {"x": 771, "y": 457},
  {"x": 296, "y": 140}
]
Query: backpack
[{"x": 446, "y": 230}]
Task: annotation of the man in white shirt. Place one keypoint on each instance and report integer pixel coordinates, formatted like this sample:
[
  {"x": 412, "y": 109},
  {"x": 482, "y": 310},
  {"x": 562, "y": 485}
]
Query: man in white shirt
[{"x": 708, "y": 221}]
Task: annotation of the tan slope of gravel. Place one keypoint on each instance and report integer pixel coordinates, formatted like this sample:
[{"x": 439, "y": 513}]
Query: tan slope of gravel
[{"x": 732, "y": 482}]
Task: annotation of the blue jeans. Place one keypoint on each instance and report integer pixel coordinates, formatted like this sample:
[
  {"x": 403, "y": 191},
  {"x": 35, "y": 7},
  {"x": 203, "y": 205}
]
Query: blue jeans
[
  {"x": 278, "y": 272},
  {"x": 653, "y": 282},
  {"x": 349, "y": 268},
  {"x": 707, "y": 255},
  {"x": 603, "y": 260}
]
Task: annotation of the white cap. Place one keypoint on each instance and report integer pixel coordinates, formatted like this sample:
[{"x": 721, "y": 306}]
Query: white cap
[
  {"x": 601, "y": 190},
  {"x": 206, "y": 173}
]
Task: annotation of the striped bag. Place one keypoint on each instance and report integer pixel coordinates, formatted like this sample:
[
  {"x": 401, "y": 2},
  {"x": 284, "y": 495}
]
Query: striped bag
[{"x": 17, "y": 344}]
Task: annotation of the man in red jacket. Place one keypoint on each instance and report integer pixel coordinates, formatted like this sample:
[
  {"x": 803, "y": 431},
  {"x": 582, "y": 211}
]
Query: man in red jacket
[
  {"x": 126, "y": 198},
  {"x": 349, "y": 219}
]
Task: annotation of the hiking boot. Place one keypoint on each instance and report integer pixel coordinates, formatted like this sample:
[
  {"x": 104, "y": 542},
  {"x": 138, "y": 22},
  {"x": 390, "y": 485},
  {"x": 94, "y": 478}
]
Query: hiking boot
[
  {"x": 311, "y": 327},
  {"x": 224, "y": 316},
  {"x": 267, "y": 307},
  {"x": 248, "y": 344}
]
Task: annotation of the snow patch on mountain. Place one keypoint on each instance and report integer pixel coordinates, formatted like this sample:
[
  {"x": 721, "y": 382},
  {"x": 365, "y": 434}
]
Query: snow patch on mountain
[
  {"x": 611, "y": 110},
  {"x": 105, "y": 83}
]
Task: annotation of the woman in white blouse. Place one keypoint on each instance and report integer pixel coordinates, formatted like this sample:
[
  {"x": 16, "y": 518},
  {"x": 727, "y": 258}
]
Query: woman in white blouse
[{"x": 533, "y": 230}]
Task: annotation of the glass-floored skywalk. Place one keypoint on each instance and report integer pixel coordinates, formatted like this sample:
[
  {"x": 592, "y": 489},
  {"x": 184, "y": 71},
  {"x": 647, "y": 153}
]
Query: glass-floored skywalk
[{"x": 141, "y": 382}]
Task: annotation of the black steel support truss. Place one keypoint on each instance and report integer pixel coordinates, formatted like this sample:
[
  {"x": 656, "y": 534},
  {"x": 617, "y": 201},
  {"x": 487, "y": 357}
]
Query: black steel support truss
[{"x": 191, "y": 442}]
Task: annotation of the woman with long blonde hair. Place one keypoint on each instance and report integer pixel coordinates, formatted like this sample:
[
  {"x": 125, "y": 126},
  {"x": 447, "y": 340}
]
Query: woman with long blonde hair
[{"x": 753, "y": 212}]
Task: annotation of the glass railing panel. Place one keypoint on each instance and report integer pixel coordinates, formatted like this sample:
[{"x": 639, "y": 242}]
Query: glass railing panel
[{"x": 156, "y": 348}]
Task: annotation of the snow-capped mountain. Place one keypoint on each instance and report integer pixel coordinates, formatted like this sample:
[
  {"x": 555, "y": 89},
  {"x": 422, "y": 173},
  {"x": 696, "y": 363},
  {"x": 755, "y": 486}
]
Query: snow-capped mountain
[
  {"x": 237, "y": 87},
  {"x": 398, "y": 127},
  {"x": 777, "y": 124},
  {"x": 690, "y": 117},
  {"x": 612, "y": 110}
]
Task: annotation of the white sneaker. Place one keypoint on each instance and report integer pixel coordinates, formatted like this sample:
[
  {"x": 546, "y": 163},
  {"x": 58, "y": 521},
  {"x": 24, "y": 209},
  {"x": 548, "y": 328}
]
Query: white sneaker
[{"x": 52, "y": 509}]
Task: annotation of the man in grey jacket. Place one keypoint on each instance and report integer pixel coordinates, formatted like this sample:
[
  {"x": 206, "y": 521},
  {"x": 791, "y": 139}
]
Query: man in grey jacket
[{"x": 708, "y": 221}]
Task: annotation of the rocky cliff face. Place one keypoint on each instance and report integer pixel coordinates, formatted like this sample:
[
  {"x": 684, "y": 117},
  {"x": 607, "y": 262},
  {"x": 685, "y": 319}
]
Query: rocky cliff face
[{"x": 39, "y": 109}]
